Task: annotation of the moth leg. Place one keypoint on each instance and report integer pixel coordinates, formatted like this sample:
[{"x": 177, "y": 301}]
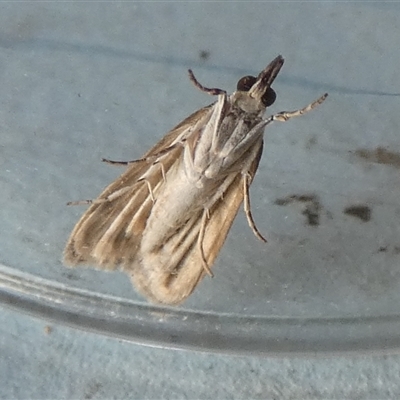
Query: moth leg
[
  {"x": 149, "y": 187},
  {"x": 210, "y": 91},
  {"x": 232, "y": 151},
  {"x": 284, "y": 116},
  {"x": 200, "y": 242},
  {"x": 112, "y": 197},
  {"x": 146, "y": 159},
  {"x": 79, "y": 202},
  {"x": 162, "y": 169},
  {"x": 118, "y": 163},
  {"x": 247, "y": 208}
]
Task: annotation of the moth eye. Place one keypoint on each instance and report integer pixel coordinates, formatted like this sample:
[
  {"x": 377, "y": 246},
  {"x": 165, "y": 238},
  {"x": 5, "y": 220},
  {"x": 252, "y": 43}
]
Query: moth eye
[
  {"x": 245, "y": 83},
  {"x": 268, "y": 97}
]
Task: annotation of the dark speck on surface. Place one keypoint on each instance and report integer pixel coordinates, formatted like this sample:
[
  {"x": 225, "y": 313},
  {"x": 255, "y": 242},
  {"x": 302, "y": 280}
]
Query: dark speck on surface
[{"x": 363, "y": 212}]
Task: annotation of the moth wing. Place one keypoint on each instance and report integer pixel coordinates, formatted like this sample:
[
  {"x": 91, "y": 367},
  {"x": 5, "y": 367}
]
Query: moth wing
[
  {"x": 172, "y": 282},
  {"x": 108, "y": 233}
]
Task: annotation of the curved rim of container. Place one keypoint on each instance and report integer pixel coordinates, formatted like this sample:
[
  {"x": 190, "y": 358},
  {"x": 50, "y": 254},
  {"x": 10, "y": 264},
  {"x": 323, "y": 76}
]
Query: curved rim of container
[{"x": 178, "y": 328}]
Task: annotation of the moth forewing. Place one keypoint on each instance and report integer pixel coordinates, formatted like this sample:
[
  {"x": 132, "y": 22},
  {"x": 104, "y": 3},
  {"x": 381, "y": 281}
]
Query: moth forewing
[
  {"x": 166, "y": 218},
  {"x": 96, "y": 222}
]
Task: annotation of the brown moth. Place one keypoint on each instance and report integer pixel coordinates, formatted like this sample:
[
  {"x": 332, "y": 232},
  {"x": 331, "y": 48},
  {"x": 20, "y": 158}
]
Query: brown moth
[{"x": 164, "y": 220}]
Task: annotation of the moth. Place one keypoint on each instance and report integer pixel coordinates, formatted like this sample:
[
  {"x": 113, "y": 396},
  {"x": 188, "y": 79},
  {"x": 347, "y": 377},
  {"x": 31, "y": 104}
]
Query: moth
[{"x": 164, "y": 220}]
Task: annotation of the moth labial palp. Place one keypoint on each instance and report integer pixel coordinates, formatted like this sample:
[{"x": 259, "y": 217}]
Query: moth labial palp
[{"x": 165, "y": 219}]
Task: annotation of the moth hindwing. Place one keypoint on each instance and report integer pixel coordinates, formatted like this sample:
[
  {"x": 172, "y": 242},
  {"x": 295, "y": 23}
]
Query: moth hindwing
[{"x": 164, "y": 220}]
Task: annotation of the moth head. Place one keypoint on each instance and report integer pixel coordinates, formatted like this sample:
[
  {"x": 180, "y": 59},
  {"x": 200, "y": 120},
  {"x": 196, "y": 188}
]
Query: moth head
[{"x": 255, "y": 94}]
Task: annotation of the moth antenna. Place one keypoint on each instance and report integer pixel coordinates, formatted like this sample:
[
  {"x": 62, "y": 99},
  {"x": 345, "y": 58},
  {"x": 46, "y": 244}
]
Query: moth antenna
[
  {"x": 210, "y": 91},
  {"x": 247, "y": 209}
]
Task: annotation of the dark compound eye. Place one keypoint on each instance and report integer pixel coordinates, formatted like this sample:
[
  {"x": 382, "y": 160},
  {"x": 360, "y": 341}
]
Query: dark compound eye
[
  {"x": 245, "y": 83},
  {"x": 268, "y": 97}
]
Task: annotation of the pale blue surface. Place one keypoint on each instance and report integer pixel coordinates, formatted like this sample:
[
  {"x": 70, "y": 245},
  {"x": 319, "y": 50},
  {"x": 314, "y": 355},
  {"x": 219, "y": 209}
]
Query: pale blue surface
[
  {"x": 82, "y": 81},
  {"x": 70, "y": 364}
]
